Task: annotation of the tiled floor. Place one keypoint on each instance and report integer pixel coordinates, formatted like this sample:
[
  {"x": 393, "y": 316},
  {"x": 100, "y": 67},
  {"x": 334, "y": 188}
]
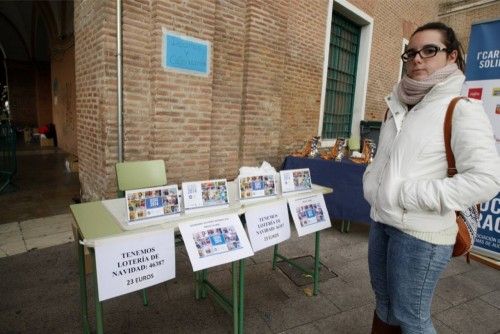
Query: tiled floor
[
  {"x": 35, "y": 211},
  {"x": 28, "y": 235}
]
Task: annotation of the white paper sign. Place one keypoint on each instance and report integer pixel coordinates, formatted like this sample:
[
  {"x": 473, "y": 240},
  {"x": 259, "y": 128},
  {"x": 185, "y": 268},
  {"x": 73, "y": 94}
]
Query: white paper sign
[
  {"x": 212, "y": 241},
  {"x": 295, "y": 180},
  {"x": 134, "y": 262},
  {"x": 309, "y": 214},
  {"x": 256, "y": 186},
  {"x": 202, "y": 194},
  {"x": 267, "y": 224},
  {"x": 152, "y": 202}
]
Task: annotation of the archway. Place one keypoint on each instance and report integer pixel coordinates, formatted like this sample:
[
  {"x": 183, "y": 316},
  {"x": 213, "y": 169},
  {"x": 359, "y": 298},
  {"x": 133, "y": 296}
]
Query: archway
[{"x": 37, "y": 61}]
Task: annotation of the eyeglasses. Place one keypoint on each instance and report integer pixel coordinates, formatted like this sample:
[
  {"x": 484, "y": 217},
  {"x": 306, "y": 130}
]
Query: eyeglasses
[{"x": 427, "y": 51}]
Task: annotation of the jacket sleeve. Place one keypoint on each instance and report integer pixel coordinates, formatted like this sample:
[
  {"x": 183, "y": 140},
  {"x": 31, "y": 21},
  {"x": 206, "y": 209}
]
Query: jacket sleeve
[
  {"x": 370, "y": 182},
  {"x": 477, "y": 163}
]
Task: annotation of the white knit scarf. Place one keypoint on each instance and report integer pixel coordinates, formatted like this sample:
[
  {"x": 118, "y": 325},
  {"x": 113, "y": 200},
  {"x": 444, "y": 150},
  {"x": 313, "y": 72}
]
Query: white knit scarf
[{"x": 412, "y": 91}]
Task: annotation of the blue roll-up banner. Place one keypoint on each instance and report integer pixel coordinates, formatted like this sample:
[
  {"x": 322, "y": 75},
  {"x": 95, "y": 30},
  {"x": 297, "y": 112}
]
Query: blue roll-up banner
[{"x": 483, "y": 83}]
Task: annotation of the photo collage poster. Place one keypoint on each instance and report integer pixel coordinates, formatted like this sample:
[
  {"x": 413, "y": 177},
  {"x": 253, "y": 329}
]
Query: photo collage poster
[
  {"x": 213, "y": 241},
  {"x": 202, "y": 194},
  {"x": 257, "y": 186},
  {"x": 152, "y": 202},
  {"x": 309, "y": 214},
  {"x": 295, "y": 180}
]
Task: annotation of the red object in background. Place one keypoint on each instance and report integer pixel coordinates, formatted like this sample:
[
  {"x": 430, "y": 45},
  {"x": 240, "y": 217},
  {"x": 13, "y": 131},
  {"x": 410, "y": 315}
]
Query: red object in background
[
  {"x": 475, "y": 93},
  {"x": 497, "y": 109},
  {"x": 43, "y": 129}
]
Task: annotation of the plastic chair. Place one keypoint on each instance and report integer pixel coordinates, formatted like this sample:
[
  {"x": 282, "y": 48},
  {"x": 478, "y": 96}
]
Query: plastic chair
[{"x": 140, "y": 174}]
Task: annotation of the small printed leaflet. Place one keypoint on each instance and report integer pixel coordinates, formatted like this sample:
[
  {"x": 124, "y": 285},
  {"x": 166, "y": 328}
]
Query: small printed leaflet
[
  {"x": 203, "y": 194},
  {"x": 213, "y": 241},
  {"x": 309, "y": 214},
  {"x": 152, "y": 202},
  {"x": 295, "y": 180},
  {"x": 134, "y": 262},
  {"x": 267, "y": 224},
  {"x": 257, "y": 186}
]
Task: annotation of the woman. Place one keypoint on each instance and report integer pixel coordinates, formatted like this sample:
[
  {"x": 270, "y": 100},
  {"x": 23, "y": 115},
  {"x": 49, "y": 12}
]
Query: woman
[{"x": 412, "y": 200}]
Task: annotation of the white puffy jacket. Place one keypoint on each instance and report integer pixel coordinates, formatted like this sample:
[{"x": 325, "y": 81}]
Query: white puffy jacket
[{"x": 407, "y": 186}]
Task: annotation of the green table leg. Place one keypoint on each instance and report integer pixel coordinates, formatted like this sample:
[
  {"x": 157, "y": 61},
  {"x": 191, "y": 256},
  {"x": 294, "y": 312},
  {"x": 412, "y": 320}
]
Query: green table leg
[
  {"x": 316, "y": 265},
  {"x": 83, "y": 286},
  {"x": 314, "y": 273},
  {"x": 98, "y": 304},
  {"x": 346, "y": 225},
  {"x": 204, "y": 278},
  {"x": 197, "y": 294},
  {"x": 235, "y": 291},
  {"x": 144, "y": 297},
  {"x": 241, "y": 312},
  {"x": 275, "y": 256}
]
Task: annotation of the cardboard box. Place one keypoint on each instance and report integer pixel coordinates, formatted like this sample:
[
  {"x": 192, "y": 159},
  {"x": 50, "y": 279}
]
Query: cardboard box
[{"x": 46, "y": 142}]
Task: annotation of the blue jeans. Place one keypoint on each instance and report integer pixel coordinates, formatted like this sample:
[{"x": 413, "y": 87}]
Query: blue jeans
[{"x": 404, "y": 272}]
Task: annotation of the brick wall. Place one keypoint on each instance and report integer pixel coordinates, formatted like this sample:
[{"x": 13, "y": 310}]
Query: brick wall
[
  {"x": 63, "y": 97},
  {"x": 393, "y": 21},
  {"x": 303, "y": 71},
  {"x": 264, "y": 76},
  {"x": 43, "y": 96},
  {"x": 260, "y": 101},
  {"x": 462, "y": 20},
  {"x": 227, "y": 87},
  {"x": 181, "y": 103},
  {"x": 95, "y": 101}
]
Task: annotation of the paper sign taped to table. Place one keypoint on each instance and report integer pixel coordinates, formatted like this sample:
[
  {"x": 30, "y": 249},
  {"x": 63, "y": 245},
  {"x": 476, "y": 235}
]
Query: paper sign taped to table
[
  {"x": 257, "y": 186},
  {"x": 267, "y": 224},
  {"x": 309, "y": 214},
  {"x": 203, "y": 194},
  {"x": 212, "y": 241},
  {"x": 134, "y": 262},
  {"x": 295, "y": 180}
]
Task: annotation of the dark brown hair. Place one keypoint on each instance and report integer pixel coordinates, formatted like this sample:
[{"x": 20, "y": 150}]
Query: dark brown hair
[{"x": 449, "y": 39}]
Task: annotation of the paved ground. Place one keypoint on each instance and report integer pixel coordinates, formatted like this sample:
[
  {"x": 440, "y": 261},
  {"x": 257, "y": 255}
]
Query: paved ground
[{"x": 40, "y": 294}]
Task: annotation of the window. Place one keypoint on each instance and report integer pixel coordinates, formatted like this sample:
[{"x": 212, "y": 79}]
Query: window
[
  {"x": 341, "y": 77},
  {"x": 345, "y": 71}
]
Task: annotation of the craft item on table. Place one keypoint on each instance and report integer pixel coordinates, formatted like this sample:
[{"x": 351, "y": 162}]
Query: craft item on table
[
  {"x": 305, "y": 151},
  {"x": 338, "y": 150},
  {"x": 314, "y": 147},
  {"x": 366, "y": 156}
]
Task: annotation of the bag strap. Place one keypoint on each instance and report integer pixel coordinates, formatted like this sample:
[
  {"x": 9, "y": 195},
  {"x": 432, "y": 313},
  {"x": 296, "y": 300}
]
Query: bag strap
[
  {"x": 386, "y": 114},
  {"x": 452, "y": 170}
]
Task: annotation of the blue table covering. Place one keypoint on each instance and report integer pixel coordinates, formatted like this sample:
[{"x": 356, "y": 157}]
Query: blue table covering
[{"x": 346, "y": 178}]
